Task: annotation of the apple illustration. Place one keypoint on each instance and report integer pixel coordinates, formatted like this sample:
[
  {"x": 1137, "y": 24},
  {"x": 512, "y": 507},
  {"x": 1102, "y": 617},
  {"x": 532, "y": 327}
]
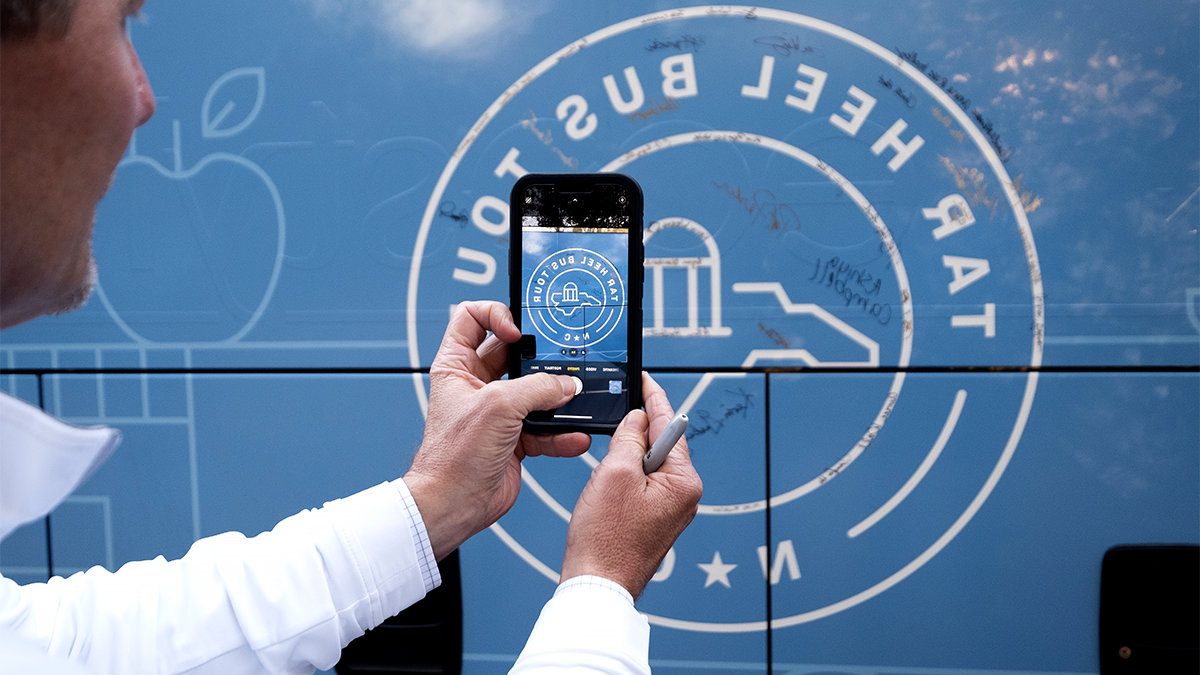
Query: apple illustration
[{"x": 192, "y": 255}]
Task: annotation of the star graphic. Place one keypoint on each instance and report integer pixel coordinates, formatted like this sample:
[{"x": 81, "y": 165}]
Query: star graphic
[{"x": 717, "y": 571}]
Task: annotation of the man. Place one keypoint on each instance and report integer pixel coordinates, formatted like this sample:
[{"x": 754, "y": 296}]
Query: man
[{"x": 71, "y": 92}]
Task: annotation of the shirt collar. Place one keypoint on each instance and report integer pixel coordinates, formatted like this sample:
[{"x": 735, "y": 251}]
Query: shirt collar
[{"x": 43, "y": 460}]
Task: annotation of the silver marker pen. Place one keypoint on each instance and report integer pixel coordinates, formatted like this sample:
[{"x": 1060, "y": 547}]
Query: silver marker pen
[{"x": 657, "y": 454}]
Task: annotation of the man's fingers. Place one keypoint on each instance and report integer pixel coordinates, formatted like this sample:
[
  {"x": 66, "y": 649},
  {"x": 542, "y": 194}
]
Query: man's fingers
[
  {"x": 541, "y": 391},
  {"x": 470, "y": 323},
  {"x": 493, "y": 355},
  {"x": 628, "y": 443},
  {"x": 660, "y": 412},
  {"x": 658, "y": 408},
  {"x": 495, "y": 317},
  {"x": 555, "y": 445}
]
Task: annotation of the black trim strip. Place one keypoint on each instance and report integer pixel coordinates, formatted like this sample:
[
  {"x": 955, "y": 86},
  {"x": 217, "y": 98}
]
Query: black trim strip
[
  {"x": 396, "y": 370},
  {"x": 770, "y": 550}
]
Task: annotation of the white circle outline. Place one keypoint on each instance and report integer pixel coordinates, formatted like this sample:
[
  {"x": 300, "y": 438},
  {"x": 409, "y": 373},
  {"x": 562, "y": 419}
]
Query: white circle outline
[
  {"x": 619, "y": 311},
  {"x": 993, "y": 160},
  {"x": 893, "y": 253}
]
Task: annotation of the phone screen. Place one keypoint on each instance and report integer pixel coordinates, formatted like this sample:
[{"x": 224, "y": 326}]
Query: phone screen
[{"x": 575, "y": 298}]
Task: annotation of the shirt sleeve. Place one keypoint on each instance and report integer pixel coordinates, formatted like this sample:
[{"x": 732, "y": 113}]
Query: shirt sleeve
[
  {"x": 285, "y": 601},
  {"x": 430, "y": 574},
  {"x": 589, "y": 626}
]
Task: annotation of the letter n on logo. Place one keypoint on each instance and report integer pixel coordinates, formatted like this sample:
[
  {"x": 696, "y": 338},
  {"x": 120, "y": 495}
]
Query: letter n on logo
[{"x": 785, "y": 553}]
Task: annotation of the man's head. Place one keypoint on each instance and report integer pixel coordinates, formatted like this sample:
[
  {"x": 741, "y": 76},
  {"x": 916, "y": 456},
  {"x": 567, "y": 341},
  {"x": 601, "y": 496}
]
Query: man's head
[
  {"x": 71, "y": 93},
  {"x": 27, "y": 18}
]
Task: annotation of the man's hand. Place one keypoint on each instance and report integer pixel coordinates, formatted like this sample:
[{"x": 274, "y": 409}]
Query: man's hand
[
  {"x": 625, "y": 521},
  {"x": 468, "y": 471}
]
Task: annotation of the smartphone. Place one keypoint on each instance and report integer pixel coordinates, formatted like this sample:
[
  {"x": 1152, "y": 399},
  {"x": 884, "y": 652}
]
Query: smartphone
[{"x": 575, "y": 283}]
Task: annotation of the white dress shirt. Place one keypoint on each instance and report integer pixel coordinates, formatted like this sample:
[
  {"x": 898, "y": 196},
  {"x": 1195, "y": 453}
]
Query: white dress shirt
[
  {"x": 285, "y": 601},
  {"x": 589, "y": 626}
]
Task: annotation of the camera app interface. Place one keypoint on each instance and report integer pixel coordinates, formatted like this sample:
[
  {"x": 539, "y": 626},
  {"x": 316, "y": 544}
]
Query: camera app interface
[{"x": 574, "y": 300}]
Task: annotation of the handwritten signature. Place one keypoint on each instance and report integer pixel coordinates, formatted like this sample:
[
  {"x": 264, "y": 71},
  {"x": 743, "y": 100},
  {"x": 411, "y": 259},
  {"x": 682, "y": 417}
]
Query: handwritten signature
[
  {"x": 692, "y": 42},
  {"x": 787, "y": 45},
  {"x": 857, "y": 286},
  {"x": 762, "y": 204},
  {"x": 962, "y": 101},
  {"x": 547, "y": 139},
  {"x": 448, "y": 209},
  {"x": 775, "y": 336},
  {"x": 705, "y": 422},
  {"x": 938, "y": 79},
  {"x": 653, "y": 108},
  {"x": 992, "y": 135},
  {"x": 904, "y": 95}
]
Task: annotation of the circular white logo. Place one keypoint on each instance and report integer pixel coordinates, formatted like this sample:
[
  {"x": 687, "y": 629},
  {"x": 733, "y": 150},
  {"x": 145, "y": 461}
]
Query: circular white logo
[
  {"x": 575, "y": 298},
  {"x": 814, "y": 201}
]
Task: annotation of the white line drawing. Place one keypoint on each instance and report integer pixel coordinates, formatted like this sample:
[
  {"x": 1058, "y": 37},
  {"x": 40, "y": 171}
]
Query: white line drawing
[
  {"x": 193, "y": 469},
  {"x": 529, "y": 558},
  {"x": 1192, "y": 305},
  {"x": 805, "y": 357},
  {"x": 145, "y": 382},
  {"x": 55, "y": 402},
  {"x": 960, "y": 399},
  {"x": 1122, "y": 339},
  {"x": 162, "y": 347},
  {"x": 712, "y": 261},
  {"x": 885, "y": 56},
  {"x": 811, "y": 161},
  {"x": 802, "y": 355},
  {"x": 188, "y": 420},
  {"x": 56, "y": 388},
  {"x": 178, "y": 173},
  {"x": 11, "y": 381},
  {"x": 38, "y": 570},
  {"x": 105, "y": 504},
  {"x": 1180, "y": 207},
  {"x": 84, "y": 420},
  {"x": 948, "y": 536},
  {"x": 545, "y": 496},
  {"x": 822, "y": 315},
  {"x": 210, "y": 125}
]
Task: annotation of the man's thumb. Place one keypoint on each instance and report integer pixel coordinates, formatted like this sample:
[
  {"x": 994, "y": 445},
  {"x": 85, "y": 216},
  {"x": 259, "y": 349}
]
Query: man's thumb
[
  {"x": 629, "y": 440},
  {"x": 541, "y": 391}
]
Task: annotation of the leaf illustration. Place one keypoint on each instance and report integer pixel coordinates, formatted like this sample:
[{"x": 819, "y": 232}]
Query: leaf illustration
[{"x": 211, "y": 124}]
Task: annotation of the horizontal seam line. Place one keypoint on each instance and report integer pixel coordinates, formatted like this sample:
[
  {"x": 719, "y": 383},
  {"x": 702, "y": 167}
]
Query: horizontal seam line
[{"x": 678, "y": 369}]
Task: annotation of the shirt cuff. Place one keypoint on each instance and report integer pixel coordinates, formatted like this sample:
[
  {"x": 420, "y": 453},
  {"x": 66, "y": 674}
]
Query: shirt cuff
[
  {"x": 590, "y": 625},
  {"x": 588, "y": 581},
  {"x": 430, "y": 574}
]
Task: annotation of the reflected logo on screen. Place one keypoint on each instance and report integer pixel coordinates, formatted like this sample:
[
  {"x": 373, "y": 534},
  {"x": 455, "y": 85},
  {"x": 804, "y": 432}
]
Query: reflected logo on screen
[{"x": 575, "y": 298}]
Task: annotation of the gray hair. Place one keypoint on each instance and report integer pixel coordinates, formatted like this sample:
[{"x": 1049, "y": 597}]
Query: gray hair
[{"x": 30, "y": 18}]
